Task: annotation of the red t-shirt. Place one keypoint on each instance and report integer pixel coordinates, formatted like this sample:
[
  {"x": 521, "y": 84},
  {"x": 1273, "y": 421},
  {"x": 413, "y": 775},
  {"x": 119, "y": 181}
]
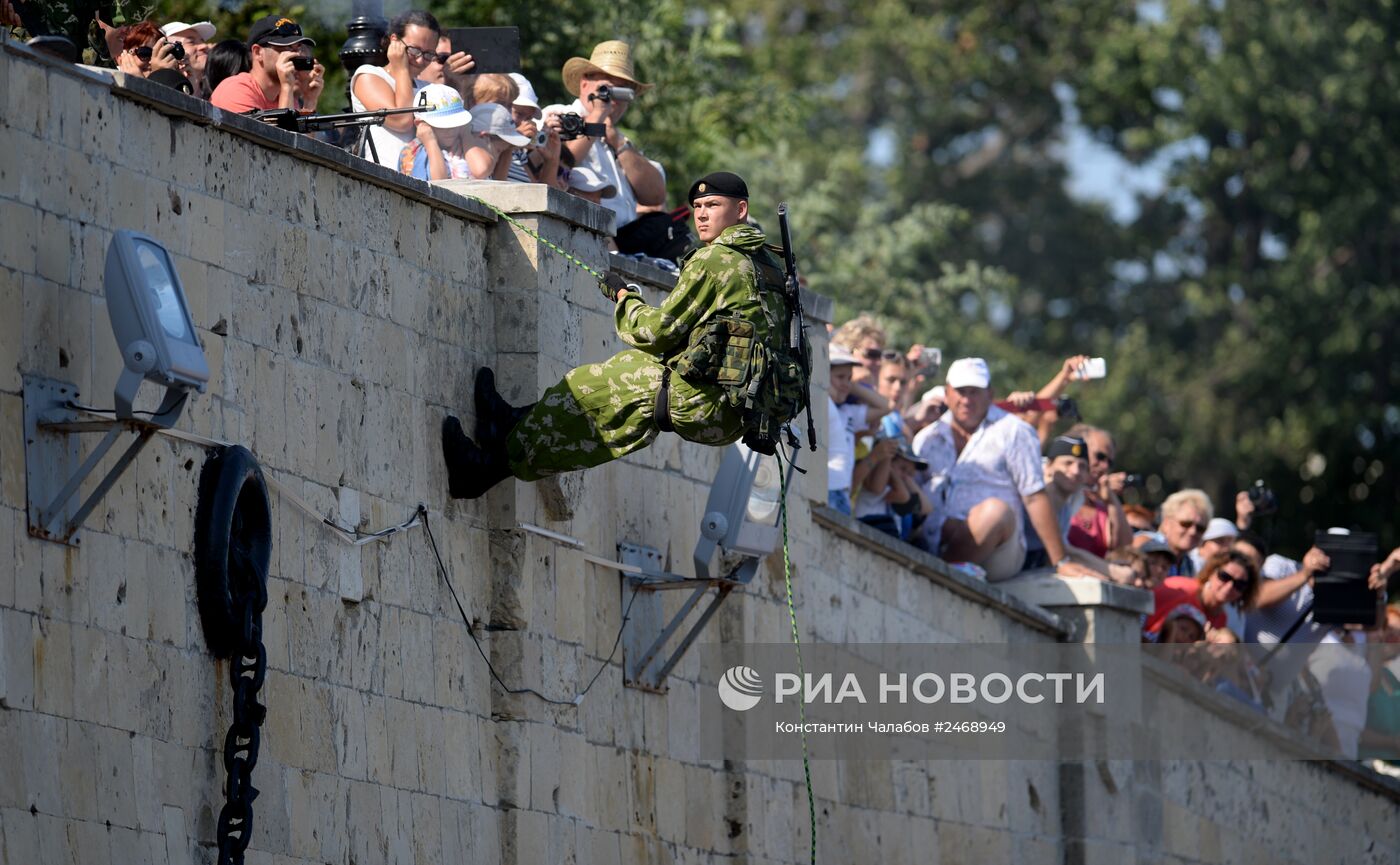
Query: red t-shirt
[
  {"x": 240, "y": 93},
  {"x": 1088, "y": 529},
  {"x": 1172, "y": 593}
]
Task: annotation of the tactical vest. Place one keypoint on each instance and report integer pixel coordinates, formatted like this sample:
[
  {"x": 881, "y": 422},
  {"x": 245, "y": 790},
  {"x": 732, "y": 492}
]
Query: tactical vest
[{"x": 765, "y": 380}]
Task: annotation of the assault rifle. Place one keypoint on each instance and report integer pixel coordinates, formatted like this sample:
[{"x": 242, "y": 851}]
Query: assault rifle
[{"x": 797, "y": 331}]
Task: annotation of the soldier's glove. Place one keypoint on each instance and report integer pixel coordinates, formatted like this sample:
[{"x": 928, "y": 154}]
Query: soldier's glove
[{"x": 611, "y": 285}]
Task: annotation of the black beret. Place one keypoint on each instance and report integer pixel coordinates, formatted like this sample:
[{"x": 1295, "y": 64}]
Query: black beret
[
  {"x": 1067, "y": 446},
  {"x": 725, "y": 183}
]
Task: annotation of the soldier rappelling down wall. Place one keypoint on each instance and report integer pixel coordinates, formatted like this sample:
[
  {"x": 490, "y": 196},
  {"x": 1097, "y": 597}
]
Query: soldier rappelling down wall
[{"x": 714, "y": 363}]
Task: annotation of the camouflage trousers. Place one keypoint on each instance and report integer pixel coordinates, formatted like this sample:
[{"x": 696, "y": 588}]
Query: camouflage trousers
[{"x": 603, "y": 411}]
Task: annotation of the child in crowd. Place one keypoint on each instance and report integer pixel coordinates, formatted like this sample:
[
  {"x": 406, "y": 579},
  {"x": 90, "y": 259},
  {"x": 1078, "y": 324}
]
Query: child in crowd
[
  {"x": 1066, "y": 466},
  {"x": 1159, "y": 557},
  {"x": 891, "y": 499},
  {"x": 843, "y": 423},
  {"x": 454, "y": 143}
]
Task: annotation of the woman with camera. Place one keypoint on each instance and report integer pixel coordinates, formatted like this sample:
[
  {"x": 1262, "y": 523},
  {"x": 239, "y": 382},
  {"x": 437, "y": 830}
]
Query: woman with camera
[
  {"x": 411, "y": 48},
  {"x": 144, "y": 51}
]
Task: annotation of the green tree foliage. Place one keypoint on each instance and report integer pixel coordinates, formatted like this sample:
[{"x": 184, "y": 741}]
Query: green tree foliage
[{"x": 1288, "y": 296}]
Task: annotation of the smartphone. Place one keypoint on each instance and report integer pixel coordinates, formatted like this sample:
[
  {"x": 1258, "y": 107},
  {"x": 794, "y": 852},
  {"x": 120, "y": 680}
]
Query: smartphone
[
  {"x": 1094, "y": 367},
  {"x": 492, "y": 49}
]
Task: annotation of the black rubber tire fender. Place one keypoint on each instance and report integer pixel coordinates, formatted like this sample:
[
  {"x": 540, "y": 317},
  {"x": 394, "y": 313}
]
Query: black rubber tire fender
[{"x": 232, "y": 543}]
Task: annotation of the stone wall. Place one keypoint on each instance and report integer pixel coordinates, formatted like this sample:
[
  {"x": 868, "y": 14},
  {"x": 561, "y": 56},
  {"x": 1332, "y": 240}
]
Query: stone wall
[{"x": 343, "y": 310}]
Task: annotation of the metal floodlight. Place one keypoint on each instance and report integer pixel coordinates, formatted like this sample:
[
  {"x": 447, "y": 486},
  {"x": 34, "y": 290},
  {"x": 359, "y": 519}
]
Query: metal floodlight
[
  {"x": 152, "y": 323},
  {"x": 156, "y": 336},
  {"x": 741, "y": 515},
  {"x": 741, "y": 520}
]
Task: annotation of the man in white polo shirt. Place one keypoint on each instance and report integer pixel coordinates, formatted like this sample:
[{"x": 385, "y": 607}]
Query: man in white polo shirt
[{"x": 984, "y": 466}]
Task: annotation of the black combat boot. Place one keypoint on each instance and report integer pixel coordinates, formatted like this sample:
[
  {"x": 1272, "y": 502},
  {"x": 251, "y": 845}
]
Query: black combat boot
[
  {"x": 471, "y": 470},
  {"x": 495, "y": 417}
]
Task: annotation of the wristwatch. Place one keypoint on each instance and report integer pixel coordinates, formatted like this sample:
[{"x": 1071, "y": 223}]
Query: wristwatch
[{"x": 1063, "y": 559}]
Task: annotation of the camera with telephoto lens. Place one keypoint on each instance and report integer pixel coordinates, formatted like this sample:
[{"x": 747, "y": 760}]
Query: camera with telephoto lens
[
  {"x": 571, "y": 126},
  {"x": 302, "y": 63},
  {"x": 1263, "y": 499},
  {"x": 609, "y": 93}
]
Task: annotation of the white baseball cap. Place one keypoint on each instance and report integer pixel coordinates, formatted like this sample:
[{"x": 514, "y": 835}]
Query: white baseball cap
[
  {"x": 1219, "y": 528},
  {"x": 495, "y": 119},
  {"x": 841, "y": 356},
  {"x": 442, "y": 106},
  {"x": 205, "y": 29},
  {"x": 969, "y": 372},
  {"x": 527, "y": 95},
  {"x": 586, "y": 179}
]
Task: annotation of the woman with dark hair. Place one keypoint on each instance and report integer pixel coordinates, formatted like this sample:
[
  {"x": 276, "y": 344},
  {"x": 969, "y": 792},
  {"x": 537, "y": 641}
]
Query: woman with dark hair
[
  {"x": 144, "y": 51},
  {"x": 226, "y": 59},
  {"x": 1228, "y": 578},
  {"x": 411, "y": 46}
]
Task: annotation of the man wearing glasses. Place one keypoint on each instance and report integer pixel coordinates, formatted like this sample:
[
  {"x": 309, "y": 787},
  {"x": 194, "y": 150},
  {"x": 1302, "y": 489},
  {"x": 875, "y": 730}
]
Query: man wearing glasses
[
  {"x": 284, "y": 74},
  {"x": 1185, "y": 515}
]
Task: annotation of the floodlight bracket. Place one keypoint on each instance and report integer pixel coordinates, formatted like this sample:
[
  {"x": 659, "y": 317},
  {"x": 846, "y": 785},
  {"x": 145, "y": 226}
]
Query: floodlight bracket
[
  {"x": 646, "y": 632},
  {"x": 53, "y": 472}
]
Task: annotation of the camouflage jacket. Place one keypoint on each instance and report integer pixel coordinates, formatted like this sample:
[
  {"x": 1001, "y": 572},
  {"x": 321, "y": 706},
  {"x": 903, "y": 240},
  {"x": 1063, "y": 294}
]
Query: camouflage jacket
[{"x": 717, "y": 278}]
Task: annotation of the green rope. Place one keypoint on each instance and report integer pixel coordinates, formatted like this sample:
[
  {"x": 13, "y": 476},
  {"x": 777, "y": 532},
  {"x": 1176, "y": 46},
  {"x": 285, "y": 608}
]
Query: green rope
[
  {"x": 797, "y": 644},
  {"x": 536, "y": 235}
]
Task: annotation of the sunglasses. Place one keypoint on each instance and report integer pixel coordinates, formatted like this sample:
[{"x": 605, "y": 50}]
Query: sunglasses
[
  {"x": 143, "y": 53},
  {"x": 1240, "y": 582},
  {"x": 1191, "y": 526},
  {"x": 873, "y": 354},
  {"x": 1101, "y": 457}
]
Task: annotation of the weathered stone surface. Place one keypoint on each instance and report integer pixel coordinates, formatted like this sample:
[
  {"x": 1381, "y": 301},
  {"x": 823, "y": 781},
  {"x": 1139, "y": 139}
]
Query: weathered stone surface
[{"x": 343, "y": 310}]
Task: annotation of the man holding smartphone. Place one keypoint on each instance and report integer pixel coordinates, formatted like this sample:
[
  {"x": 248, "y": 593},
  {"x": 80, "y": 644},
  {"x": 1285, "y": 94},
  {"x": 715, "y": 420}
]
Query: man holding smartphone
[{"x": 284, "y": 74}]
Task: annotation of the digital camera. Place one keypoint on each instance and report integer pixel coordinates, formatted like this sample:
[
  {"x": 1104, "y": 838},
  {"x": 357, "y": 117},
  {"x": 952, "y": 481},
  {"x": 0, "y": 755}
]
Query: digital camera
[
  {"x": 571, "y": 126},
  {"x": 609, "y": 93},
  {"x": 1263, "y": 499}
]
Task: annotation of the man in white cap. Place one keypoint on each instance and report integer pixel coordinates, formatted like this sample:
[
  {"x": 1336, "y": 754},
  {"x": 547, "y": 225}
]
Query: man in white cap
[
  {"x": 612, "y": 155},
  {"x": 195, "y": 39},
  {"x": 984, "y": 466}
]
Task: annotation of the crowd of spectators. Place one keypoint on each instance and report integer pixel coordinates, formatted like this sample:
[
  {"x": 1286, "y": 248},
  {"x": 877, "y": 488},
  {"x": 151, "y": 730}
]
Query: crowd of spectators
[
  {"x": 487, "y": 126},
  {"x": 996, "y": 489}
]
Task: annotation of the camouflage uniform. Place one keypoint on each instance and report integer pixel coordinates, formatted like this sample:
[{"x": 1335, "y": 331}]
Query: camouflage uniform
[{"x": 603, "y": 411}]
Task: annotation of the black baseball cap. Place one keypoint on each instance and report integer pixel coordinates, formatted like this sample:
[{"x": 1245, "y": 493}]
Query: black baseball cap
[{"x": 278, "y": 31}]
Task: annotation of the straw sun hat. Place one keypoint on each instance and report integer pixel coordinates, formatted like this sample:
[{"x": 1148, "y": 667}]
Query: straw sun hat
[{"x": 610, "y": 58}]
